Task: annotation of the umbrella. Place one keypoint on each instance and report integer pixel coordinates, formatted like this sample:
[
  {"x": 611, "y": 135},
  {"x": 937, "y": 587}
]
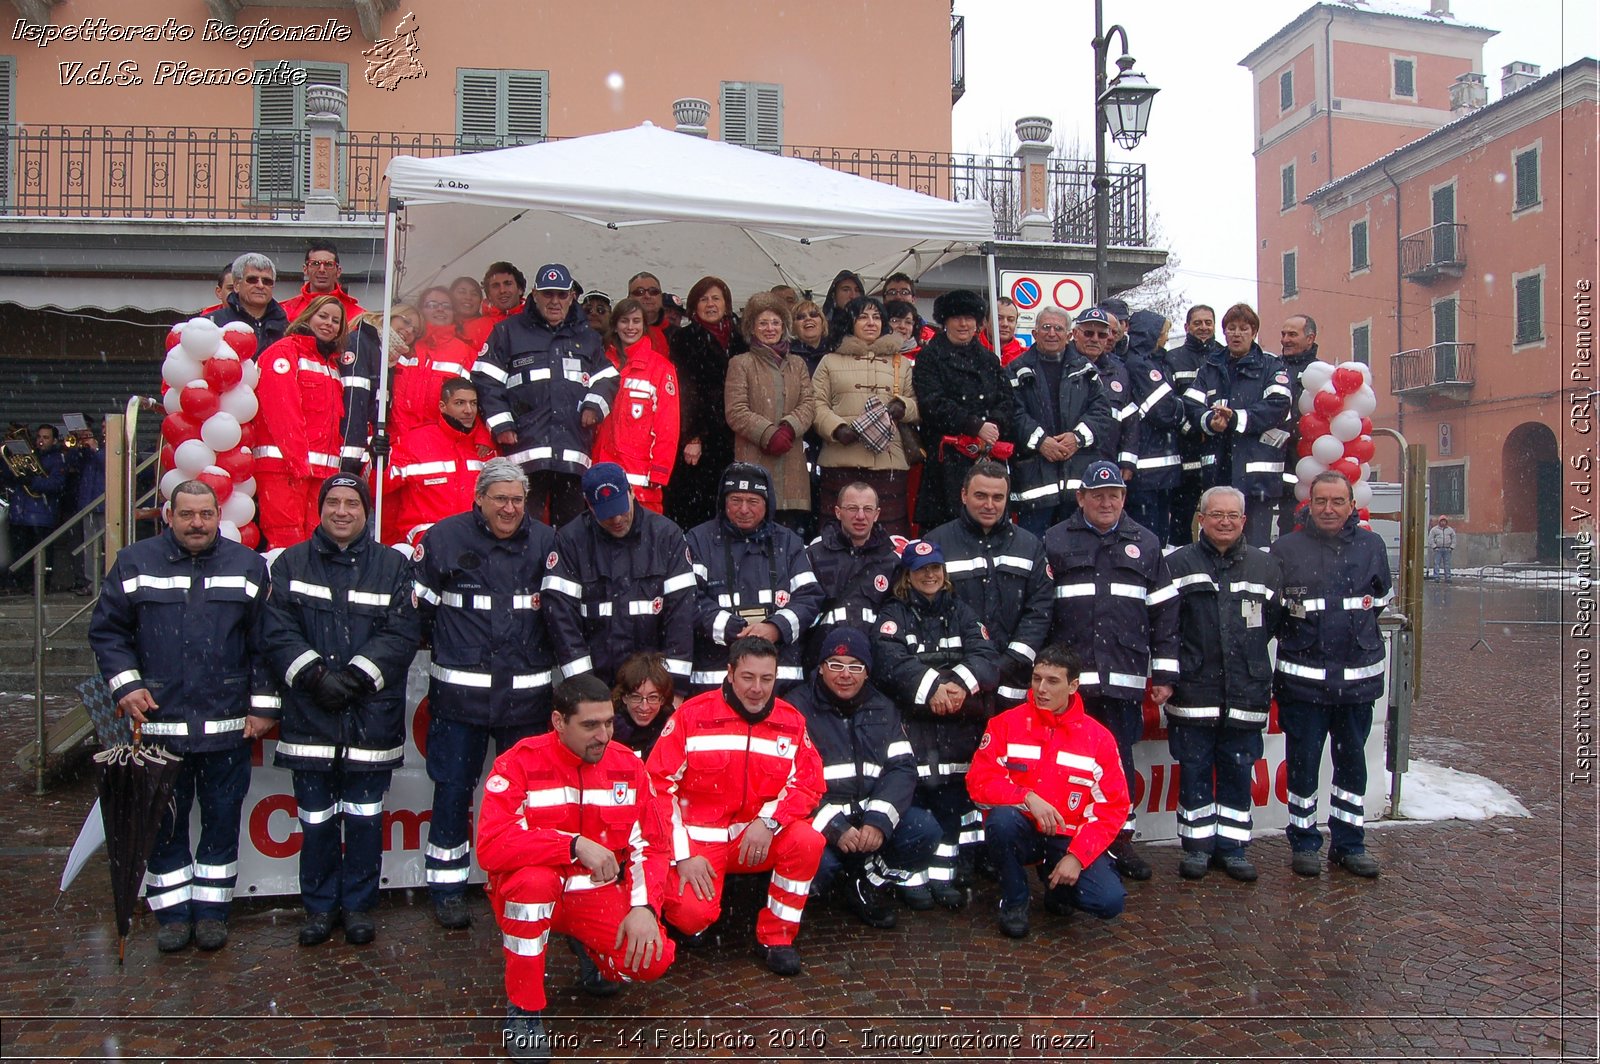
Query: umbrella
[
  {"x": 136, "y": 784},
  {"x": 91, "y": 837}
]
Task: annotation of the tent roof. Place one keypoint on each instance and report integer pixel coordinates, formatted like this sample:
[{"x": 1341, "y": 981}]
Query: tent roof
[{"x": 613, "y": 204}]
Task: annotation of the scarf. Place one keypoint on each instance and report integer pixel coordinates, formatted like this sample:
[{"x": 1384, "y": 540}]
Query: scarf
[
  {"x": 778, "y": 351},
  {"x": 721, "y": 331}
]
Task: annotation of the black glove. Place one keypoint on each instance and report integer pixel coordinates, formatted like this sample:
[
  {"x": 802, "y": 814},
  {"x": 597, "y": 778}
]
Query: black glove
[
  {"x": 897, "y": 408},
  {"x": 846, "y": 435},
  {"x": 336, "y": 691},
  {"x": 379, "y": 446},
  {"x": 358, "y": 681},
  {"x": 311, "y": 676}
]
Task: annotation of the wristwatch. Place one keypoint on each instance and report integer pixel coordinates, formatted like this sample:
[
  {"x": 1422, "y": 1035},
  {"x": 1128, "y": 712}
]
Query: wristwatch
[{"x": 772, "y": 825}]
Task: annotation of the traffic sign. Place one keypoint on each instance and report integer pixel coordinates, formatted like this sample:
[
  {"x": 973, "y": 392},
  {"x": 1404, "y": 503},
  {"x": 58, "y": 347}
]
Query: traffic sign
[
  {"x": 1034, "y": 291},
  {"x": 1026, "y": 293}
]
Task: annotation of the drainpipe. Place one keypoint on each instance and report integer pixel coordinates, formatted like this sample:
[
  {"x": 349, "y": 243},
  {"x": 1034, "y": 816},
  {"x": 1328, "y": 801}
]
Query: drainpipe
[
  {"x": 1327, "y": 82},
  {"x": 1399, "y": 295}
]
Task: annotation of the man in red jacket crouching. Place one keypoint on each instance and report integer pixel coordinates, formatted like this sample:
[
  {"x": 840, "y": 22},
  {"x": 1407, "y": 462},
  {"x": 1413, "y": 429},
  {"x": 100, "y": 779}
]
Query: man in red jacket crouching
[
  {"x": 1050, "y": 782},
  {"x": 570, "y": 835}
]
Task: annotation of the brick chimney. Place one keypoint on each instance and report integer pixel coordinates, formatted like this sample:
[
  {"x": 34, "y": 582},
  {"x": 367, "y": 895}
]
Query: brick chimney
[
  {"x": 1467, "y": 94},
  {"x": 1514, "y": 76}
]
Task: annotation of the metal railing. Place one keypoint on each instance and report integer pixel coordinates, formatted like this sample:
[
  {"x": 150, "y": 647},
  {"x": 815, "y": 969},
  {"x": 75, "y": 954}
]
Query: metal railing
[
  {"x": 1446, "y": 364},
  {"x": 171, "y": 172},
  {"x": 1437, "y": 251}
]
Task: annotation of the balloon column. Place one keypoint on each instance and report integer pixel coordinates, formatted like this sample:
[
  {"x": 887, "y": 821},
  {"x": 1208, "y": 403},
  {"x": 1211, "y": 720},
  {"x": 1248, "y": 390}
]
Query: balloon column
[
  {"x": 210, "y": 397},
  {"x": 1336, "y": 428}
]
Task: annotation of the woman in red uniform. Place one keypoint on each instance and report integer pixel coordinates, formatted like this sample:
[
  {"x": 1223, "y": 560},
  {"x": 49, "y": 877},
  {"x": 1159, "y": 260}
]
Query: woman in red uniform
[
  {"x": 440, "y": 354},
  {"x": 297, "y": 432},
  {"x": 641, "y": 433}
]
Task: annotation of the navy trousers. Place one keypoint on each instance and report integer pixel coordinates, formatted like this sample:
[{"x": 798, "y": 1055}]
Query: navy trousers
[
  {"x": 1014, "y": 843},
  {"x": 1124, "y": 719},
  {"x": 901, "y": 858},
  {"x": 341, "y": 837},
  {"x": 182, "y": 888},
  {"x": 1214, "y": 766},
  {"x": 455, "y": 764},
  {"x": 1306, "y": 726}
]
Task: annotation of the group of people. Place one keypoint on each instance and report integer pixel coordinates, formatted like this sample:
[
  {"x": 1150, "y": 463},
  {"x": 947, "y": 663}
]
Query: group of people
[
  {"x": 868, "y": 717},
  {"x": 47, "y": 476}
]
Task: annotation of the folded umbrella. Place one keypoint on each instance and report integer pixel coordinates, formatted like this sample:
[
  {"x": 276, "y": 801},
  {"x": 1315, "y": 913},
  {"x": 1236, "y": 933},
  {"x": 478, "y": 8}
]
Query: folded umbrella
[{"x": 136, "y": 783}]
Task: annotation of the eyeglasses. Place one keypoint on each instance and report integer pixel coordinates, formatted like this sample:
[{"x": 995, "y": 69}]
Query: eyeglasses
[
  {"x": 807, "y": 315},
  {"x": 643, "y": 700},
  {"x": 508, "y": 500},
  {"x": 858, "y": 511},
  {"x": 435, "y": 304},
  {"x": 852, "y": 668},
  {"x": 1223, "y": 515},
  {"x": 1049, "y": 328},
  {"x": 637, "y": 292},
  {"x": 267, "y": 281},
  {"x": 320, "y": 264},
  {"x": 898, "y": 293}
]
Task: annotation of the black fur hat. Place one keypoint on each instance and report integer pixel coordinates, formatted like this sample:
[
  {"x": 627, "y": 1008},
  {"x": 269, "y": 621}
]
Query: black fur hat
[{"x": 960, "y": 303}]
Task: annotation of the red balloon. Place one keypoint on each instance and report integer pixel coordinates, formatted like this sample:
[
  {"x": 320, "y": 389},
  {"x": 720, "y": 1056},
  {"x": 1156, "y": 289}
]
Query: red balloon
[
  {"x": 1303, "y": 448},
  {"x": 1312, "y": 426},
  {"x": 165, "y": 462},
  {"x": 199, "y": 401},
  {"x": 1347, "y": 380},
  {"x": 242, "y": 342},
  {"x": 1366, "y": 426},
  {"x": 173, "y": 339},
  {"x": 1361, "y": 449},
  {"x": 1364, "y": 513},
  {"x": 250, "y": 536},
  {"x": 223, "y": 373},
  {"x": 220, "y": 483},
  {"x": 1328, "y": 404},
  {"x": 1349, "y": 468},
  {"x": 247, "y": 434},
  {"x": 178, "y": 428},
  {"x": 238, "y": 463}
]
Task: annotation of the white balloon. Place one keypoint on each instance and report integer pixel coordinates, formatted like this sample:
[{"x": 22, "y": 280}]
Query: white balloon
[
  {"x": 246, "y": 486},
  {"x": 1363, "y": 369},
  {"x": 1326, "y": 448},
  {"x": 1363, "y": 493},
  {"x": 240, "y": 402},
  {"x": 1363, "y": 402},
  {"x": 1302, "y": 490},
  {"x": 1366, "y": 471},
  {"x": 228, "y": 530},
  {"x": 1316, "y": 374},
  {"x": 192, "y": 457},
  {"x": 1308, "y": 400},
  {"x": 172, "y": 402},
  {"x": 200, "y": 338},
  {"x": 179, "y": 369},
  {"x": 1308, "y": 468},
  {"x": 239, "y": 509},
  {"x": 221, "y": 432},
  {"x": 252, "y": 374},
  {"x": 1345, "y": 427},
  {"x": 170, "y": 481}
]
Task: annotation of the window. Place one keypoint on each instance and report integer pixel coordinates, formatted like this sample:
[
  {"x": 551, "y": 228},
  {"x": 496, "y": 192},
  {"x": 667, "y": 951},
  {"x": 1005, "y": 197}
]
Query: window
[
  {"x": 283, "y": 159},
  {"x": 1405, "y": 78},
  {"x": 495, "y": 108},
  {"x": 1530, "y": 308},
  {"x": 8, "y": 82},
  {"x": 1285, "y": 91},
  {"x": 1447, "y": 490},
  {"x": 1291, "y": 284},
  {"x": 1361, "y": 343},
  {"x": 1287, "y": 176},
  {"x": 1526, "y": 167},
  {"x": 1444, "y": 320},
  {"x": 752, "y": 114},
  {"x": 1358, "y": 246}
]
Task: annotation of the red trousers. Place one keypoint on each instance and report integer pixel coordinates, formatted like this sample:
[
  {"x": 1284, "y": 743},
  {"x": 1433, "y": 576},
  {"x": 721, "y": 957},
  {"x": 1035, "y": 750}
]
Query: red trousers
[
  {"x": 648, "y": 497},
  {"x": 286, "y": 507},
  {"x": 793, "y": 859},
  {"x": 534, "y": 901}
]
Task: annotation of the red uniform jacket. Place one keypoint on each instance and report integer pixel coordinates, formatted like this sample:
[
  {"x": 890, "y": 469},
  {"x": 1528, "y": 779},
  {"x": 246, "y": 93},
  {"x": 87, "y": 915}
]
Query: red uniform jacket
[
  {"x": 478, "y": 329},
  {"x": 715, "y": 772},
  {"x": 641, "y": 433},
  {"x": 295, "y": 304},
  {"x": 439, "y": 354},
  {"x": 1068, "y": 759},
  {"x": 302, "y": 402},
  {"x": 433, "y": 473},
  {"x": 540, "y": 796}
]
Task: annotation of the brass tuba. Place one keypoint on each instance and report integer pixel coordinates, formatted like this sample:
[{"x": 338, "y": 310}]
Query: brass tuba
[{"x": 22, "y": 462}]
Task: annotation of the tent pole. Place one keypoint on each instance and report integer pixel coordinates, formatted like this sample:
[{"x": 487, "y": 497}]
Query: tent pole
[
  {"x": 994, "y": 299},
  {"x": 380, "y": 428}
]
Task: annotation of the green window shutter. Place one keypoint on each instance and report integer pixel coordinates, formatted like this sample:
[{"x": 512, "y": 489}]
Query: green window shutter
[
  {"x": 8, "y": 95},
  {"x": 767, "y": 116},
  {"x": 1288, "y": 187},
  {"x": 1361, "y": 344},
  {"x": 283, "y": 163},
  {"x": 477, "y": 108},
  {"x": 733, "y": 113},
  {"x": 1358, "y": 246},
  {"x": 1405, "y": 78},
  {"x": 526, "y": 105},
  {"x": 1527, "y": 179},
  {"x": 1291, "y": 283},
  {"x": 1530, "y": 309},
  {"x": 751, "y": 114},
  {"x": 1286, "y": 90},
  {"x": 495, "y": 108}
]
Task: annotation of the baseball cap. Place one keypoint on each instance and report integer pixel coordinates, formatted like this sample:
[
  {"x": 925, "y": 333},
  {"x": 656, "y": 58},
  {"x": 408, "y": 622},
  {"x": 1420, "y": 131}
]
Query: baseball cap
[
  {"x": 1102, "y": 474},
  {"x": 553, "y": 277},
  {"x": 605, "y": 489},
  {"x": 1094, "y": 314},
  {"x": 920, "y": 552}
]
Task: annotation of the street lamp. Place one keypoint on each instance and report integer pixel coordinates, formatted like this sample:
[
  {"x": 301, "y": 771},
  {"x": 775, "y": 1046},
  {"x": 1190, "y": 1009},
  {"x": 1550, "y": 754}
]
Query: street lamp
[{"x": 1123, "y": 108}]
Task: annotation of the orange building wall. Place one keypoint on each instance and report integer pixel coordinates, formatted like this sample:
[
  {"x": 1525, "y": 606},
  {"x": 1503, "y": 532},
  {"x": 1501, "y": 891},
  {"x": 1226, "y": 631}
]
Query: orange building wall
[
  {"x": 839, "y": 86},
  {"x": 1364, "y": 72}
]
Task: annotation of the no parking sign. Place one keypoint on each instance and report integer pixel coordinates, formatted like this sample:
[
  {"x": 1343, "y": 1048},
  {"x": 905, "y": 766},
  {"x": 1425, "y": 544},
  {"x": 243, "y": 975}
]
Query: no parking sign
[{"x": 1032, "y": 291}]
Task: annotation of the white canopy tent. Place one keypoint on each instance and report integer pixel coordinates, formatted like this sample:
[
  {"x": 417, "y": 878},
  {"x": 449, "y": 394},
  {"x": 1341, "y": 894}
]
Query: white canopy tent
[{"x": 613, "y": 204}]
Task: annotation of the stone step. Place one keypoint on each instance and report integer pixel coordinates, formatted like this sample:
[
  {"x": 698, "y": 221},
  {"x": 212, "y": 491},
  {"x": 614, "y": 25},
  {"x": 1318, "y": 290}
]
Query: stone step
[{"x": 62, "y": 651}]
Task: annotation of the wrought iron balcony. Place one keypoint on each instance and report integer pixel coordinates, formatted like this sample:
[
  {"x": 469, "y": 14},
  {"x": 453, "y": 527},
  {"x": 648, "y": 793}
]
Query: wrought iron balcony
[
  {"x": 222, "y": 174},
  {"x": 958, "y": 58},
  {"x": 1437, "y": 251},
  {"x": 1442, "y": 370}
]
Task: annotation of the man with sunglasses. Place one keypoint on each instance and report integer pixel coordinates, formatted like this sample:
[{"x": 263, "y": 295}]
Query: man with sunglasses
[
  {"x": 874, "y": 833},
  {"x": 322, "y": 271},
  {"x": 251, "y": 301},
  {"x": 1093, "y": 336}
]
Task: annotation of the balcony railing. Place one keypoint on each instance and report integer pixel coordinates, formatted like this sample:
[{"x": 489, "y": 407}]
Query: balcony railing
[
  {"x": 1443, "y": 369},
  {"x": 1437, "y": 251},
  {"x": 171, "y": 172},
  {"x": 958, "y": 58}
]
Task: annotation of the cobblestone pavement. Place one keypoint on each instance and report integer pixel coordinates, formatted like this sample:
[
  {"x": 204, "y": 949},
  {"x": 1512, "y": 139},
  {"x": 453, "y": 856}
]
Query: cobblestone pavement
[{"x": 1478, "y": 942}]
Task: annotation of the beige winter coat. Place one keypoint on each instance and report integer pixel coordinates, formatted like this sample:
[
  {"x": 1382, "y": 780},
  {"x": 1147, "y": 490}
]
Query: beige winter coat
[
  {"x": 762, "y": 393},
  {"x": 842, "y": 384}
]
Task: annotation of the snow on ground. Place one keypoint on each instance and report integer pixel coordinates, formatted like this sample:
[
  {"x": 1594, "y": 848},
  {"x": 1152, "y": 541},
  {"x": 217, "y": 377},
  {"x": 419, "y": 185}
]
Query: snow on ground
[
  {"x": 1572, "y": 578},
  {"x": 1434, "y": 792}
]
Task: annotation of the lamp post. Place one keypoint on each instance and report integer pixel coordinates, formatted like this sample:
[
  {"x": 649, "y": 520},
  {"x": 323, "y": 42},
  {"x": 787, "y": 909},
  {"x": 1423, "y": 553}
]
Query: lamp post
[{"x": 1121, "y": 106}]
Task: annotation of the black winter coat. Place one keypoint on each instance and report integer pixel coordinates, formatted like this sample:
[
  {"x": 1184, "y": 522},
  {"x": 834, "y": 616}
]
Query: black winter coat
[
  {"x": 919, "y": 645},
  {"x": 479, "y": 598},
  {"x": 1160, "y": 405},
  {"x": 1330, "y": 650},
  {"x": 867, "y": 761},
  {"x": 358, "y": 372},
  {"x": 702, "y": 364},
  {"x": 342, "y": 607},
  {"x": 1121, "y": 444},
  {"x": 1082, "y": 407},
  {"x": 1229, "y": 608},
  {"x": 1182, "y": 364},
  {"x": 1250, "y": 451},
  {"x": 855, "y": 582},
  {"x": 1002, "y": 574},
  {"x": 957, "y": 390},
  {"x": 185, "y": 628},
  {"x": 269, "y": 328}
]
